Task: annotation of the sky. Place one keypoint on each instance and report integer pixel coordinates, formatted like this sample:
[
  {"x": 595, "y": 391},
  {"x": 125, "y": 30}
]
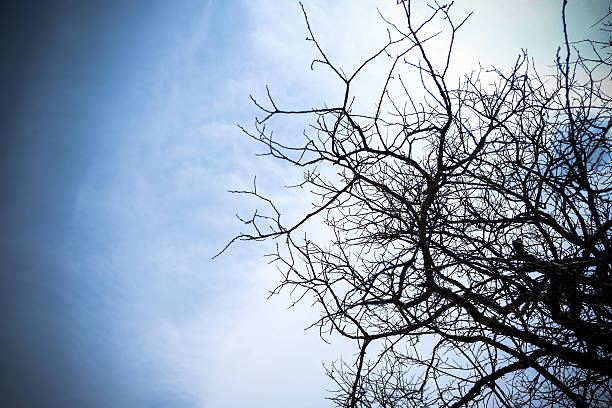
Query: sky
[{"x": 119, "y": 143}]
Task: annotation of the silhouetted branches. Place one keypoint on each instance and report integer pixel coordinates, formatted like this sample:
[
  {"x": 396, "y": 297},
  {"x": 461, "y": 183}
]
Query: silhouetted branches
[{"x": 470, "y": 229}]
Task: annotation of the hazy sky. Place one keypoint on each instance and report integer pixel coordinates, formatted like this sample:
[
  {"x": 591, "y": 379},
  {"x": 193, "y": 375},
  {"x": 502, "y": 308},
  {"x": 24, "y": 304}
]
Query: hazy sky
[{"x": 119, "y": 141}]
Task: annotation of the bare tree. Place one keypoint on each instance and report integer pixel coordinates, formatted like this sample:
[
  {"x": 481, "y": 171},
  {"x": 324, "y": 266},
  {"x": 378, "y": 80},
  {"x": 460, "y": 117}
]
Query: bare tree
[{"x": 470, "y": 230}]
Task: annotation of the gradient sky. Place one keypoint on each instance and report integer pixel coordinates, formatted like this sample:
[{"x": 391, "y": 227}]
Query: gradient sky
[{"x": 119, "y": 141}]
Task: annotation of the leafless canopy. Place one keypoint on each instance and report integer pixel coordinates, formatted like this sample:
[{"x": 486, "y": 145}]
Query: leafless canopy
[{"x": 470, "y": 229}]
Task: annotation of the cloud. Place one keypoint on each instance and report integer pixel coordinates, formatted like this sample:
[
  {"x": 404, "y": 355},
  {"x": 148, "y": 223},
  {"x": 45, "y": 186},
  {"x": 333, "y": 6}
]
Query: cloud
[
  {"x": 136, "y": 157},
  {"x": 247, "y": 352}
]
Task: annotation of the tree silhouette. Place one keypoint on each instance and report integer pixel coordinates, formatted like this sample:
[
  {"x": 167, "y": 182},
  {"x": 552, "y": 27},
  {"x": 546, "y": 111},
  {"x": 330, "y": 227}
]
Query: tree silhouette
[{"x": 469, "y": 227}]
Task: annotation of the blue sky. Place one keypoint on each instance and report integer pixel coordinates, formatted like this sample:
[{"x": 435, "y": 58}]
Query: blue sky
[{"x": 119, "y": 143}]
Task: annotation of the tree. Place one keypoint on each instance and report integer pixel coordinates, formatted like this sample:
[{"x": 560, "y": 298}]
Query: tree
[{"x": 470, "y": 229}]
